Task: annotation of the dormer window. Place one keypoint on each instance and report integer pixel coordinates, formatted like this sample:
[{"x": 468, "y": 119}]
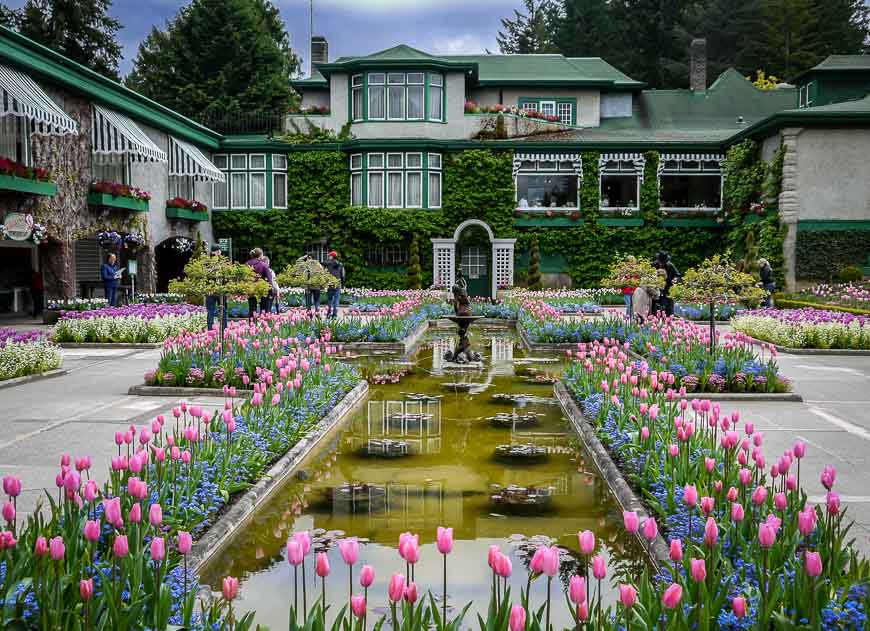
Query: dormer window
[{"x": 397, "y": 96}]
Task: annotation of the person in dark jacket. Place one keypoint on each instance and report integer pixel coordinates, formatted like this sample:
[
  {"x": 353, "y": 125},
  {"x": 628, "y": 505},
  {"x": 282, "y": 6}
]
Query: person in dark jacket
[
  {"x": 261, "y": 269},
  {"x": 333, "y": 294},
  {"x": 37, "y": 292},
  {"x": 672, "y": 274},
  {"x": 213, "y": 302},
  {"x": 110, "y": 277},
  {"x": 767, "y": 282}
]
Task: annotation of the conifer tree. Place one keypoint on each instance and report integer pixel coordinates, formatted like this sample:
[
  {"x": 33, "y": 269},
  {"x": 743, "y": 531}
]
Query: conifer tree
[
  {"x": 533, "y": 278},
  {"x": 415, "y": 274}
]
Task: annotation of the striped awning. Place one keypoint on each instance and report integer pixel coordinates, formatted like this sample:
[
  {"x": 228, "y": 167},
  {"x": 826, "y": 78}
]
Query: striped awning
[
  {"x": 20, "y": 96},
  {"x": 114, "y": 133},
  {"x": 621, "y": 157},
  {"x": 185, "y": 159},
  {"x": 693, "y": 157},
  {"x": 547, "y": 157}
]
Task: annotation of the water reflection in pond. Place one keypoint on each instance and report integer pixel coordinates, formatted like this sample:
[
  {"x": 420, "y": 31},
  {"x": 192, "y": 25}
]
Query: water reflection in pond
[{"x": 484, "y": 450}]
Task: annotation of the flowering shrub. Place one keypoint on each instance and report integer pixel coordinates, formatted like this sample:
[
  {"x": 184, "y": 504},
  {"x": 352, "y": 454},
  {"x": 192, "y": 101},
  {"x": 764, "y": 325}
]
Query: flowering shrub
[
  {"x": 160, "y": 299},
  {"x": 16, "y": 169},
  {"x": 188, "y": 204},
  {"x": 75, "y": 304},
  {"x": 26, "y": 353},
  {"x": 746, "y": 548},
  {"x": 599, "y": 296},
  {"x": 319, "y": 110},
  {"x": 473, "y": 108},
  {"x": 142, "y": 323},
  {"x": 805, "y": 328},
  {"x": 631, "y": 271},
  {"x": 116, "y": 189},
  {"x": 854, "y": 294},
  {"x": 701, "y": 312}
]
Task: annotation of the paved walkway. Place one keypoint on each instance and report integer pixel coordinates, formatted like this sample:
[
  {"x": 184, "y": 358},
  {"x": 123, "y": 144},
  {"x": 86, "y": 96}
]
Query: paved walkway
[{"x": 78, "y": 413}]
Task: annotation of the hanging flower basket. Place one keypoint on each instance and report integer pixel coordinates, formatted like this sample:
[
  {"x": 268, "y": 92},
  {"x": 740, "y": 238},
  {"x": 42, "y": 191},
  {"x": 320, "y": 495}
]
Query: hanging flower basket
[{"x": 110, "y": 240}]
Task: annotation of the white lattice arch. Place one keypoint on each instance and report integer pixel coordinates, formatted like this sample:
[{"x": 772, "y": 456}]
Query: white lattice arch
[{"x": 444, "y": 258}]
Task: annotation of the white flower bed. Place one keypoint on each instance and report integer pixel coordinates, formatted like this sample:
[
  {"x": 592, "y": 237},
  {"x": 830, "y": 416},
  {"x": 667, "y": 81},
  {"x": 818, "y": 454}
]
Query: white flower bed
[
  {"x": 127, "y": 329},
  {"x": 28, "y": 358},
  {"x": 794, "y": 334}
]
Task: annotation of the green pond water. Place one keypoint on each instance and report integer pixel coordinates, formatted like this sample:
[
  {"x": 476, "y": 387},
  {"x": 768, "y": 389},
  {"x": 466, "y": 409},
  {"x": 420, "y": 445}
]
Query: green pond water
[{"x": 441, "y": 468}]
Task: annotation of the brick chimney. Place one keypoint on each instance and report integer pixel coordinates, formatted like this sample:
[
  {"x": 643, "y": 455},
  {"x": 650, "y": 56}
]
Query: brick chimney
[
  {"x": 319, "y": 49},
  {"x": 698, "y": 65}
]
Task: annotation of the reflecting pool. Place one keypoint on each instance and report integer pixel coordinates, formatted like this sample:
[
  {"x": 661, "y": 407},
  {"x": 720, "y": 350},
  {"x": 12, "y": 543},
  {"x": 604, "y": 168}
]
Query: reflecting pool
[{"x": 485, "y": 450}]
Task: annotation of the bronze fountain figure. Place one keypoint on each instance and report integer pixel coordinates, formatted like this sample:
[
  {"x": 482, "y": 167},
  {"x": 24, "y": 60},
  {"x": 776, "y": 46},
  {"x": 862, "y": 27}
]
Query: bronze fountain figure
[{"x": 463, "y": 318}]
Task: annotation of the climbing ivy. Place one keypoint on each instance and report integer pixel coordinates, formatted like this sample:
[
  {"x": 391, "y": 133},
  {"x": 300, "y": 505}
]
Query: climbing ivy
[
  {"x": 479, "y": 184},
  {"x": 589, "y": 191},
  {"x": 649, "y": 189}
]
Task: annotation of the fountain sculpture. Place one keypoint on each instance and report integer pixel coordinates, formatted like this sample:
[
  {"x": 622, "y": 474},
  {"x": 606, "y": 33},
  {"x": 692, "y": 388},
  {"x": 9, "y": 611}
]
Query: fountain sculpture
[{"x": 463, "y": 319}]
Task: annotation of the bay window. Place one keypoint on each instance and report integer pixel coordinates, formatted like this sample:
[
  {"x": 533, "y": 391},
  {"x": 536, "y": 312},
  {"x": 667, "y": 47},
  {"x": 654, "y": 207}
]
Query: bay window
[
  {"x": 691, "y": 182},
  {"x": 279, "y": 180},
  {"x": 377, "y": 96},
  {"x": 356, "y": 180},
  {"x": 416, "y": 90},
  {"x": 396, "y": 102},
  {"x": 258, "y": 189},
  {"x": 220, "y": 190},
  {"x": 239, "y": 188},
  {"x": 357, "y": 97},
  {"x": 395, "y": 180},
  {"x": 436, "y": 97},
  {"x": 397, "y": 96},
  {"x": 620, "y": 182}
]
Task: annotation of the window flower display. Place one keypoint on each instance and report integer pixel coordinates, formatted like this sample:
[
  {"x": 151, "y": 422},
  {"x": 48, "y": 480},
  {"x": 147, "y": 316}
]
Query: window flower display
[
  {"x": 187, "y": 204},
  {"x": 116, "y": 189},
  {"x": 16, "y": 169}
]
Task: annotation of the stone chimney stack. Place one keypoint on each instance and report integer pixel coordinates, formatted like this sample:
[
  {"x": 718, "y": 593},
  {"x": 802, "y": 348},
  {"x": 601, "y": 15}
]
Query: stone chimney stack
[
  {"x": 698, "y": 65},
  {"x": 319, "y": 50}
]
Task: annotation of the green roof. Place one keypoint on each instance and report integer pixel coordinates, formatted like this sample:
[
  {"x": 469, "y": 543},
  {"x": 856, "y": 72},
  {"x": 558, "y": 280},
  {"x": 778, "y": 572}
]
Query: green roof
[
  {"x": 316, "y": 80},
  {"x": 597, "y": 67},
  {"x": 833, "y": 64}
]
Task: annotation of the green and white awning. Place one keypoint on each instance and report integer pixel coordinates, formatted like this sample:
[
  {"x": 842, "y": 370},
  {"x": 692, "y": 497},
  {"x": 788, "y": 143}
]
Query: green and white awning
[
  {"x": 20, "y": 96},
  {"x": 692, "y": 157},
  {"x": 114, "y": 133},
  {"x": 185, "y": 159}
]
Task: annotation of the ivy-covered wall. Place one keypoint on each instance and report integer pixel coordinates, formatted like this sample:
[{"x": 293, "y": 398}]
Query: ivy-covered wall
[{"x": 477, "y": 184}]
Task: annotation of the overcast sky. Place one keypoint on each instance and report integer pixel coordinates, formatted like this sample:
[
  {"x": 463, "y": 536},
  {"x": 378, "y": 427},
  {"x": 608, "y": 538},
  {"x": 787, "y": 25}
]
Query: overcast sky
[{"x": 352, "y": 26}]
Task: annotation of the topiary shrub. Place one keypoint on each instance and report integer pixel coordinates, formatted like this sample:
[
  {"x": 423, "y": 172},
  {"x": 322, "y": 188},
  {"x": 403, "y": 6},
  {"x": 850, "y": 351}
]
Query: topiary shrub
[
  {"x": 415, "y": 274},
  {"x": 533, "y": 278},
  {"x": 850, "y": 274}
]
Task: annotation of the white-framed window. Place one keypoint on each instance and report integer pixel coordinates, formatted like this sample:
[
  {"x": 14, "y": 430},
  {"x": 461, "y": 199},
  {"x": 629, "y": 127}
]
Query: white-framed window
[
  {"x": 547, "y": 183},
  {"x": 416, "y": 95},
  {"x": 239, "y": 190},
  {"x": 414, "y": 160},
  {"x": 434, "y": 189},
  {"x": 257, "y": 161},
  {"x": 395, "y": 186},
  {"x": 355, "y": 161},
  {"x": 279, "y": 162},
  {"x": 317, "y": 251},
  {"x": 436, "y": 97},
  {"x": 548, "y": 108},
  {"x": 257, "y": 182},
  {"x": 239, "y": 161},
  {"x": 377, "y": 96},
  {"x": 182, "y": 186},
  {"x": 395, "y": 160},
  {"x": 435, "y": 161},
  {"x": 473, "y": 262},
  {"x": 356, "y": 194},
  {"x": 619, "y": 185},
  {"x": 396, "y": 96},
  {"x": 376, "y": 189},
  {"x": 414, "y": 189},
  {"x": 15, "y": 140},
  {"x": 357, "y": 96},
  {"x": 565, "y": 112},
  {"x": 376, "y": 161},
  {"x": 690, "y": 183},
  {"x": 530, "y": 107},
  {"x": 220, "y": 194},
  {"x": 279, "y": 190},
  {"x": 112, "y": 167},
  {"x": 221, "y": 161}
]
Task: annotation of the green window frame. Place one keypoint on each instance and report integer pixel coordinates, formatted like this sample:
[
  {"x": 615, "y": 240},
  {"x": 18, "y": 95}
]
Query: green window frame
[
  {"x": 395, "y": 179},
  {"x": 563, "y": 107},
  {"x": 407, "y": 96},
  {"x": 254, "y": 181}
]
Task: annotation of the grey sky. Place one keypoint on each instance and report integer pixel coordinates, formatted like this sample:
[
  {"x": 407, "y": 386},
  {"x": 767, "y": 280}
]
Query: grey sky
[{"x": 351, "y": 26}]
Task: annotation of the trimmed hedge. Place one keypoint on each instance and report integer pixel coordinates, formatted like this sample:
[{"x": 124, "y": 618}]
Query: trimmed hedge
[
  {"x": 822, "y": 254},
  {"x": 788, "y": 303}
]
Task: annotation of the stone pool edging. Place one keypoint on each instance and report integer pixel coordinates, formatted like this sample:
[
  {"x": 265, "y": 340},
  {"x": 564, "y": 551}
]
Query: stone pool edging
[
  {"x": 143, "y": 390},
  {"x": 20, "y": 381},
  {"x": 658, "y": 550},
  {"x": 245, "y": 505}
]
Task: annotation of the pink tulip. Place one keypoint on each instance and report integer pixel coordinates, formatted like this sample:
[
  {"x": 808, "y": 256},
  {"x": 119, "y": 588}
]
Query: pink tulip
[
  {"x": 577, "y": 589},
  {"x": 738, "y": 606},
  {"x": 321, "y": 565},
  {"x": 358, "y": 605},
  {"x": 587, "y": 542},
  {"x": 551, "y": 561},
  {"x": 230, "y": 588},
  {"x": 444, "y": 540},
  {"x": 766, "y": 535},
  {"x": 136, "y": 514},
  {"x": 732, "y": 494},
  {"x": 40, "y": 548},
  {"x": 673, "y": 450},
  {"x": 627, "y": 596},
  {"x": 828, "y": 477},
  {"x": 537, "y": 562},
  {"x": 812, "y": 563},
  {"x": 494, "y": 552},
  {"x": 86, "y": 589},
  {"x": 155, "y": 515},
  {"x": 699, "y": 570},
  {"x": 650, "y": 529},
  {"x": 92, "y": 530},
  {"x": 800, "y": 449},
  {"x": 690, "y": 496},
  {"x": 676, "y": 551},
  {"x": 120, "y": 547},
  {"x": 503, "y": 566},
  {"x": 304, "y": 539},
  {"x": 707, "y": 504},
  {"x": 833, "y": 503},
  {"x": 780, "y": 501},
  {"x": 807, "y": 521},
  {"x": 791, "y": 482},
  {"x": 366, "y": 575},
  {"x": 672, "y": 595},
  {"x": 158, "y": 549},
  {"x": 711, "y": 532},
  {"x": 644, "y": 433},
  {"x": 599, "y": 568},
  {"x": 185, "y": 543},
  {"x": 517, "y": 621},
  {"x": 11, "y": 486},
  {"x": 9, "y": 512},
  {"x": 396, "y": 589},
  {"x": 631, "y": 521},
  {"x": 737, "y": 513},
  {"x": 745, "y": 476},
  {"x": 411, "y": 593},
  {"x": 759, "y": 496},
  {"x": 91, "y": 490},
  {"x": 56, "y": 548},
  {"x": 294, "y": 552},
  {"x": 349, "y": 549},
  {"x": 583, "y": 611}
]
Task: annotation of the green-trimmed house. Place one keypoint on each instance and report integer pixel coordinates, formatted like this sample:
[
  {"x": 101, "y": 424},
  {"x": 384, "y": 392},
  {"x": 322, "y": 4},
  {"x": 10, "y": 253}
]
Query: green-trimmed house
[{"x": 469, "y": 155}]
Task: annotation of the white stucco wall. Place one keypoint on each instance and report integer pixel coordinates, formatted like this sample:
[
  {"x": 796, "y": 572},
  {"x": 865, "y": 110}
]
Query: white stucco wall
[
  {"x": 769, "y": 147},
  {"x": 588, "y": 101},
  {"x": 834, "y": 174},
  {"x": 315, "y": 98}
]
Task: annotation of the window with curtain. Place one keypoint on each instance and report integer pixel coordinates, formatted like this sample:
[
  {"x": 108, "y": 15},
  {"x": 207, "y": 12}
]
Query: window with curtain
[
  {"x": 394, "y": 189},
  {"x": 279, "y": 190},
  {"x": 377, "y": 96},
  {"x": 416, "y": 92},
  {"x": 356, "y": 196},
  {"x": 182, "y": 186},
  {"x": 376, "y": 189},
  {"x": 414, "y": 189},
  {"x": 357, "y": 96},
  {"x": 239, "y": 190},
  {"x": 396, "y": 180},
  {"x": 396, "y": 94},
  {"x": 436, "y": 97},
  {"x": 14, "y": 140},
  {"x": 110, "y": 168},
  {"x": 258, "y": 190},
  {"x": 220, "y": 191},
  {"x": 434, "y": 190}
]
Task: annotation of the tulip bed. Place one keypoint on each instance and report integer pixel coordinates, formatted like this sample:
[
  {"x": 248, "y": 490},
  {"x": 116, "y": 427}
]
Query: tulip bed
[
  {"x": 746, "y": 548},
  {"x": 29, "y": 353},
  {"x": 806, "y": 328},
  {"x": 112, "y": 555},
  {"x": 675, "y": 345},
  {"x": 141, "y": 323}
]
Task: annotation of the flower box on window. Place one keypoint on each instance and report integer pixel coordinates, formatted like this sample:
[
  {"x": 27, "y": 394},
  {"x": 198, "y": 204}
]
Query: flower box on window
[
  {"x": 115, "y": 195},
  {"x": 190, "y": 209},
  {"x": 15, "y": 176}
]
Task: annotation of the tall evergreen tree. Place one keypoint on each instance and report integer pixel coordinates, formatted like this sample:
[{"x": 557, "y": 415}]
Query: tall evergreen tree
[
  {"x": 530, "y": 32},
  {"x": 218, "y": 58},
  {"x": 82, "y": 30},
  {"x": 728, "y": 26},
  {"x": 586, "y": 28},
  {"x": 785, "y": 40},
  {"x": 843, "y": 27}
]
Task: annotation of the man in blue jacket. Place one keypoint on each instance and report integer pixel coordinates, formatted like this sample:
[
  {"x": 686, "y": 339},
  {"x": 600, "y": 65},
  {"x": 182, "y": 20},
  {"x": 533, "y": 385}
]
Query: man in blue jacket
[{"x": 109, "y": 276}]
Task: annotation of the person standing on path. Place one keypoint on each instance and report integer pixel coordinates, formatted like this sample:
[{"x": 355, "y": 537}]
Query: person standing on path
[
  {"x": 767, "y": 282},
  {"x": 333, "y": 294},
  {"x": 663, "y": 261},
  {"x": 213, "y": 302},
  {"x": 109, "y": 274},
  {"x": 271, "y": 298},
  {"x": 260, "y": 268}
]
